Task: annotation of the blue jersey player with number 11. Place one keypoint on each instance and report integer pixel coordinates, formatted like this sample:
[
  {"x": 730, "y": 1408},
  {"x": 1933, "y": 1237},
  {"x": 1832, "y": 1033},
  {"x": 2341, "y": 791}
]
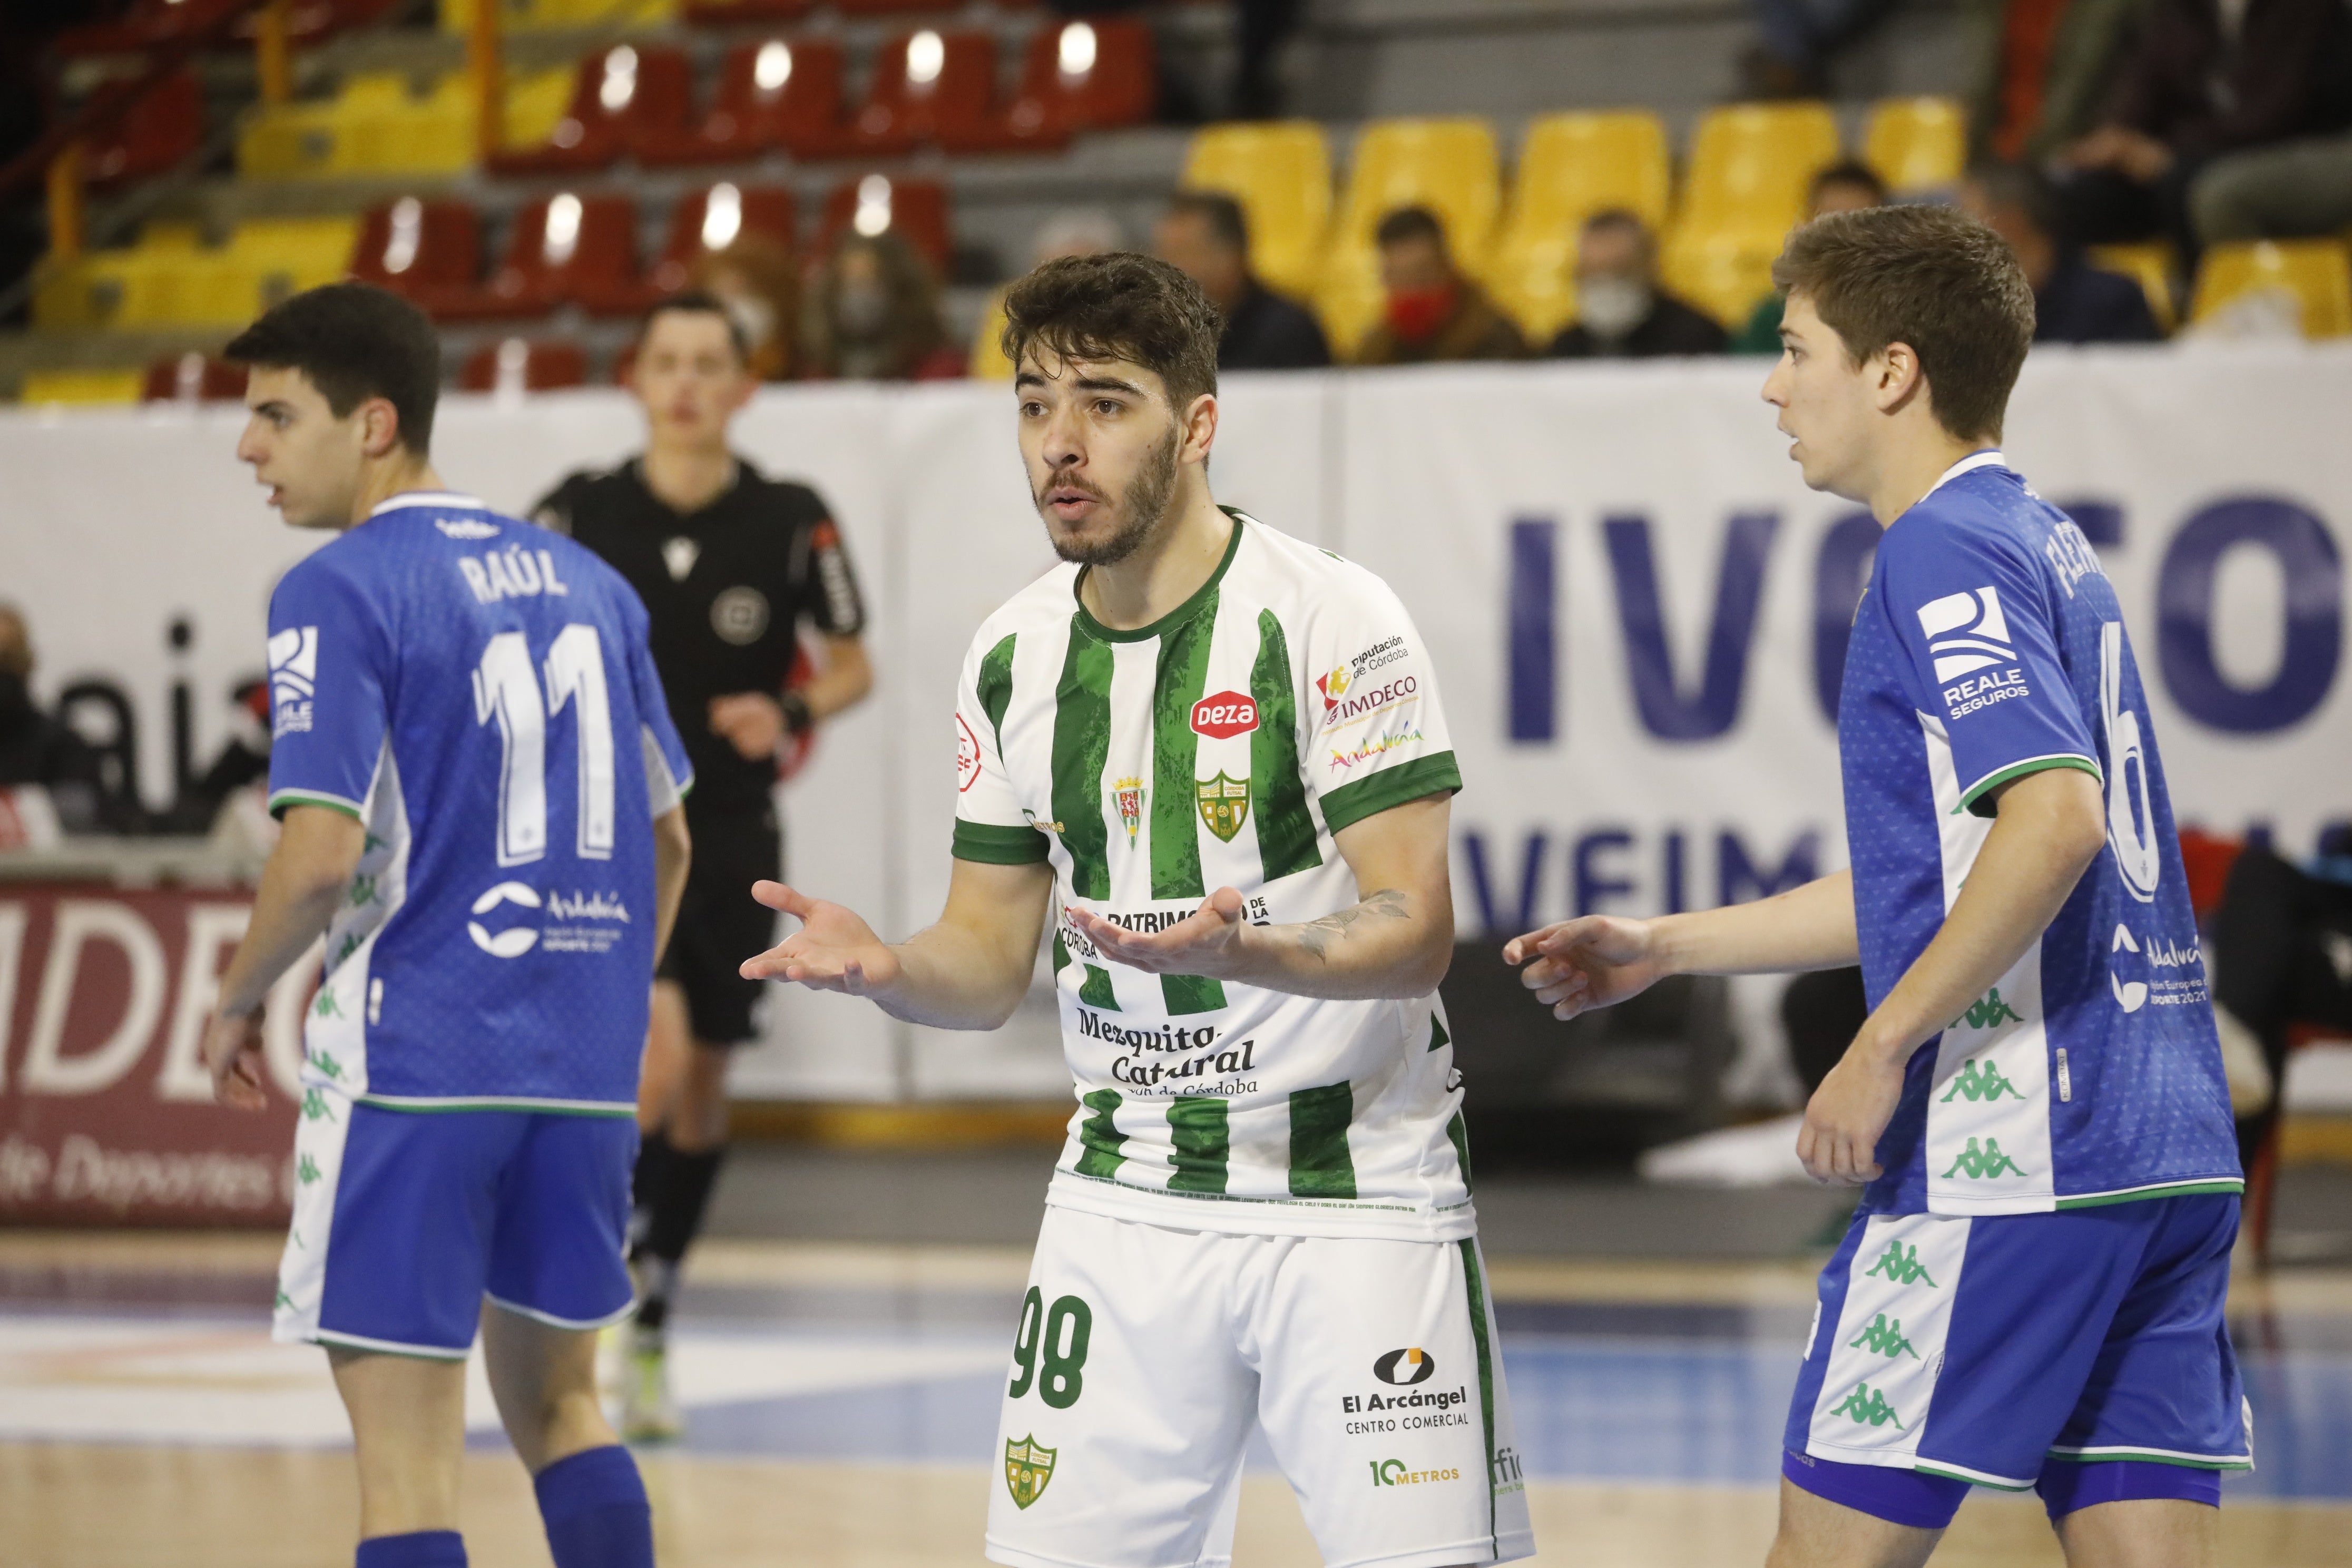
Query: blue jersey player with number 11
[
  {"x": 479, "y": 785},
  {"x": 2030, "y": 1295}
]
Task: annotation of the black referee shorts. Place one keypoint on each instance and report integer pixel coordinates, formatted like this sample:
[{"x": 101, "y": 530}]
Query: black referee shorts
[{"x": 721, "y": 925}]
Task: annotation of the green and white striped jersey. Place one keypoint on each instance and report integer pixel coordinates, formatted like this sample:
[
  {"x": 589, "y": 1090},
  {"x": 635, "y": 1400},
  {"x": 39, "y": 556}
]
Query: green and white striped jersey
[{"x": 1222, "y": 746}]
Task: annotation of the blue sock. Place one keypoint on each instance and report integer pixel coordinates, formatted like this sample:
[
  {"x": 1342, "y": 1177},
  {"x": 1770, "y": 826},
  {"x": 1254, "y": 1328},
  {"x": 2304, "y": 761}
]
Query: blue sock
[
  {"x": 594, "y": 1507},
  {"x": 419, "y": 1548}
]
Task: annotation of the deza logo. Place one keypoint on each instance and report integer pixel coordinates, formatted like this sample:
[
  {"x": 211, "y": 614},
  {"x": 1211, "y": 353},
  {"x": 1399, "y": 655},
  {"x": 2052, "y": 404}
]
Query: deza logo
[
  {"x": 1225, "y": 715},
  {"x": 1966, "y": 632},
  {"x": 293, "y": 678}
]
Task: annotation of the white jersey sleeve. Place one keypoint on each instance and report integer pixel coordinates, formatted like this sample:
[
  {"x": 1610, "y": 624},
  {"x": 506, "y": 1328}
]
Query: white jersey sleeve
[
  {"x": 990, "y": 825},
  {"x": 1375, "y": 731}
]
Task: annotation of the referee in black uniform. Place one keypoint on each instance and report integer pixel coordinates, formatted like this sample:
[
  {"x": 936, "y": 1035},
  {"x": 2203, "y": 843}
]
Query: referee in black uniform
[{"x": 729, "y": 564}]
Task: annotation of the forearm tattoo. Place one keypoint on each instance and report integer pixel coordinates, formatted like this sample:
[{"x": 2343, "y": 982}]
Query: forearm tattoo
[{"x": 1318, "y": 935}]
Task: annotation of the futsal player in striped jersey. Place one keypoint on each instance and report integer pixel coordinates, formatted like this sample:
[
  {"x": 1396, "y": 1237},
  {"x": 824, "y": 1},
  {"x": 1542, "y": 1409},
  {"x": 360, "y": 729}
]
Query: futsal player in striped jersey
[{"x": 1215, "y": 757}]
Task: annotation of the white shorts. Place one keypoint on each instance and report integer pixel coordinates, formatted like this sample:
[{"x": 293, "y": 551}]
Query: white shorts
[{"x": 1145, "y": 1354}]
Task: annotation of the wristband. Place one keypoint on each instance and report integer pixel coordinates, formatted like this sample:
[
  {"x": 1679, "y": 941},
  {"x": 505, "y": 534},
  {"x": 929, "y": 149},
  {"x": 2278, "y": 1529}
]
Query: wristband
[{"x": 798, "y": 719}]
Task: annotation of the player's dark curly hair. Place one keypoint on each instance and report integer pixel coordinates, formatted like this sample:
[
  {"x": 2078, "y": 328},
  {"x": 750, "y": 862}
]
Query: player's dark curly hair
[
  {"x": 1931, "y": 277},
  {"x": 354, "y": 342},
  {"x": 1119, "y": 306}
]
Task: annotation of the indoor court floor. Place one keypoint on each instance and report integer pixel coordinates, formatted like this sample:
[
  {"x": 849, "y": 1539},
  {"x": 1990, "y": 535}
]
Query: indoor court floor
[{"x": 842, "y": 1402}]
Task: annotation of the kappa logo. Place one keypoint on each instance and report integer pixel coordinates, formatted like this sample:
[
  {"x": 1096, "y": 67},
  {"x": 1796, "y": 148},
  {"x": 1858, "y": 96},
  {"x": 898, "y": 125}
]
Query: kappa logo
[
  {"x": 1224, "y": 715},
  {"x": 1982, "y": 1164},
  {"x": 466, "y": 528},
  {"x": 1976, "y": 1083},
  {"x": 1884, "y": 1338},
  {"x": 1868, "y": 1407},
  {"x": 1901, "y": 1264},
  {"x": 1027, "y": 1469},
  {"x": 1988, "y": 1011},
  {"x": 1406, "y": 1367},
  {"x": 293, "y": 678},
  {"x": 515, "y": 940},
  {"x": 1966, "y": 632}
]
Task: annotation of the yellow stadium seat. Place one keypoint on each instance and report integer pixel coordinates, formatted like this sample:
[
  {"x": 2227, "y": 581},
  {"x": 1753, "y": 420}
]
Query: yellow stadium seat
[
  {"x": 1449, "y": 166},
  {"x": 2150, "y": 267},
  {"x": 1916, "y": 143},
  {"x": 2316, "y": 273},
  {"x": 529, "y": 16},
  {"x": 81, "y": 386},
  {"x": 1748, "y": 172},
  {"x": 1572, "y": 166},
  {"x": 988, "y": 361},
  {"x": 1280, "y": 173},
  {"x": 375, "y": 125}
]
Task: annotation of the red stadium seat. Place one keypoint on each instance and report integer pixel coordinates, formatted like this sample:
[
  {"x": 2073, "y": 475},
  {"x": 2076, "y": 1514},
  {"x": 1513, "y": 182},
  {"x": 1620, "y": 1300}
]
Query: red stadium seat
[
  {"x": 193, "y": 378},
  {"x": 894, "y": 8},
  {"x": 514, "y": 364},
  {"x": 623, "y": 96},
  {"x": 566, "y": 249},
  {"x": 147, "y": 23},
  {"x": 774, "y": 93},
  {"x": 928, "y": 86},
  {"x": 711, "y": 220},
  {"x": 916, "y": 209},
  {"x": 421, "y": 248},
  {"x": 1084, "y": 74},
  {"x": 153, "y": 134}
]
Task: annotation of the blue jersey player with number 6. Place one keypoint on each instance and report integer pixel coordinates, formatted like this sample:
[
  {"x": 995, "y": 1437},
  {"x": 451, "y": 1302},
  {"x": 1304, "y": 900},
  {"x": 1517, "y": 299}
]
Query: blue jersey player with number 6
[
  {"x": 479, "y": 787},
  {"x": 2030, "y": 1295}
]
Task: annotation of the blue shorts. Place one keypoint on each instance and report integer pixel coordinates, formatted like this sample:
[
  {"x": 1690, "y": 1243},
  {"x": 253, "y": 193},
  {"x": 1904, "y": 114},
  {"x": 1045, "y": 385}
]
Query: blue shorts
[
  {"x": 404, "y": 1222},
  {"x": 2009, "y": 1350}
]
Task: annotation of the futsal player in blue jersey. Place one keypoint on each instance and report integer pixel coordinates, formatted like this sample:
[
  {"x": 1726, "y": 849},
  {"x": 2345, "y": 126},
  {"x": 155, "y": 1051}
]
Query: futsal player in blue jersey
[
  {"x": 2030, "y": 1295},
  {"x": 479, "y": 786}
]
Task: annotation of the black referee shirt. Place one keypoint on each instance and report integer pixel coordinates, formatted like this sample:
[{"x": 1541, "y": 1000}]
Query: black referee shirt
[{"x": 727, "y": 588}]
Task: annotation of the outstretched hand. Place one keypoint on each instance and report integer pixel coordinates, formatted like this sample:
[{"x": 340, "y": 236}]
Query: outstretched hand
[
  {"x": 834, "y": 949},
  {"x": 1207, "y": 942},
  {"x": 1594, "y": 961}
]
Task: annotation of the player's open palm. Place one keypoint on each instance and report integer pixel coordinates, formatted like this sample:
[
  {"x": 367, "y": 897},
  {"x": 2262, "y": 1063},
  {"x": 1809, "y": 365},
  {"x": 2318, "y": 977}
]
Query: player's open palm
[
  {"x": 1594, "y": 961},
  {"x": 834, "y": 949}
]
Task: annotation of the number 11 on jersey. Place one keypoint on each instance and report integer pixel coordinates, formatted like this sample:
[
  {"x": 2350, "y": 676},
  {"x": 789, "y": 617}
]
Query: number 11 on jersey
[{"x": 506, "y": 686}]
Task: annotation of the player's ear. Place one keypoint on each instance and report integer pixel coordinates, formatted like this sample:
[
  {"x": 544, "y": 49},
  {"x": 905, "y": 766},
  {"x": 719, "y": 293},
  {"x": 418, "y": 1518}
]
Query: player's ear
[
  {"x": 379, "y": 428},
  {"x": 1199, "y": 423},
  {"x": 1898, "y": 376}
]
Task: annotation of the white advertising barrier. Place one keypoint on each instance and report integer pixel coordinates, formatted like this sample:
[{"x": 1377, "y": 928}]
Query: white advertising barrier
[{"x": 1632, "y": 600}]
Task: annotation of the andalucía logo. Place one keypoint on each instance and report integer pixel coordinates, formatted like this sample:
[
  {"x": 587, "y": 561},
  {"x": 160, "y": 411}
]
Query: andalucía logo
[
  {"x": 1408, "y": 1366},
  {"x": 1027, "y": 1469}
]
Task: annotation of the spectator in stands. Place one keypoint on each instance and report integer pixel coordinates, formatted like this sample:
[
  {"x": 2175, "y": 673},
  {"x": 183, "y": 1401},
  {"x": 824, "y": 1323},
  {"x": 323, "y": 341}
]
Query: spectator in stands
[
  {"x": 2292, "y": 191},
  {"x": 34, "y": 747},
  {"x": 874, "y": 315},
  {"x": 2043, "y": 73},
  {"x": 2205, "y": 79},
  {"x": 2074, "y": 301},
  {"x": 1076, "y": 231},
  {"x": 1434, "y": 313},
  {"x": 1205, "y": 236},
  {"x": 1797, "y": 39},
  {"x": 1840, "y": 188},
  {"x": 755, "y": 279},
  {"x": 1621, "y": 312}
]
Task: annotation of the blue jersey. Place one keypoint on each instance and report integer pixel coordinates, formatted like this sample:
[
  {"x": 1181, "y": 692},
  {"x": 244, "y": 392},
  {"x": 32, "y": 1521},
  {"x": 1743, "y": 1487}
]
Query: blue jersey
[
  {"x": 1989, "y": 645},
  {"x": 477, "y": 692}
]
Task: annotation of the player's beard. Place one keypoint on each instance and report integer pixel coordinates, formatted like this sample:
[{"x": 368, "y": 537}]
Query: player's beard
[{"x": 1141, "y": 509}]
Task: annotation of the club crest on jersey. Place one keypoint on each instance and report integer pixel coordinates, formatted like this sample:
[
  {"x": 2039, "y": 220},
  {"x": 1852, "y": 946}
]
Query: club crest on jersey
[
  {"x": 967, "y": 756},
  {"x": 1027, "y": 1469},
  {"x": 293, "y": 678},
  {"x": 1225, "y": 715},
  {"x": 1334, "y": 686},
  {"x": 1129, "y": 794},
  {"x": 1225, "y": 804}
]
